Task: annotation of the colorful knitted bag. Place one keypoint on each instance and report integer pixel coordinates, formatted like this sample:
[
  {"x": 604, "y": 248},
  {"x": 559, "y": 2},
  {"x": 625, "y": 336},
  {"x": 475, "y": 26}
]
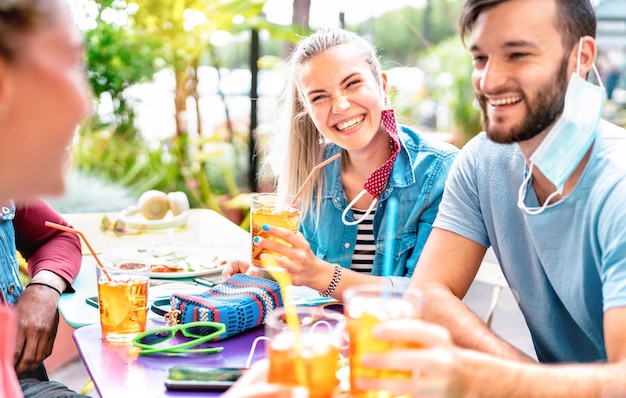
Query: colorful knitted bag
[{"x": 241, "y": 303}]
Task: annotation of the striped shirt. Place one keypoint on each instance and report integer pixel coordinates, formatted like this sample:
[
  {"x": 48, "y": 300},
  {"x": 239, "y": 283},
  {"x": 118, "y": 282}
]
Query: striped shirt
[{"x": 365, "y": 248}]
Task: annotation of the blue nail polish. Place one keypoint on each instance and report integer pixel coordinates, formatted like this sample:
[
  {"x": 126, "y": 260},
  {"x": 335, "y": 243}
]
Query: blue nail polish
[
  {"x": 256, "y": 239},
  {"x": 265, "y": 227}
]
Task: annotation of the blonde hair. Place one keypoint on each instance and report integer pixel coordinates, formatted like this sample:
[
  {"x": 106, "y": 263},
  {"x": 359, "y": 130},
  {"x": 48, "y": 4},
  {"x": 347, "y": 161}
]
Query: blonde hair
[{"x": 301, "y": 145}]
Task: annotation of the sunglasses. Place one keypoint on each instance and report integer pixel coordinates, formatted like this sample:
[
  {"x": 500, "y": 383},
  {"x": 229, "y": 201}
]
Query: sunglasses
[
  {"x": 118, "y": 227},
  {"x": 333, "y": 307},
  {"x": 199, "y": 332}
]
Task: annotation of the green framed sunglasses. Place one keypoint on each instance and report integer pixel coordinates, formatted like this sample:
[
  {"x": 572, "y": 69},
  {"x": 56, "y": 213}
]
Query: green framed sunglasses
[{"x": 199, "y": 332}]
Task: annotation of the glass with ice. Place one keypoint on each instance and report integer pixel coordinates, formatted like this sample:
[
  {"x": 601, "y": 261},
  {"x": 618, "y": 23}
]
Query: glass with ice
[{"x": 123, "y": 299}]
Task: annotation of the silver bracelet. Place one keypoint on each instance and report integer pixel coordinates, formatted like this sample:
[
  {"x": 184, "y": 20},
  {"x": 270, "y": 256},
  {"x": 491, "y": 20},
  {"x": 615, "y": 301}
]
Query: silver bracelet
[{"x": 333, "y": 283}]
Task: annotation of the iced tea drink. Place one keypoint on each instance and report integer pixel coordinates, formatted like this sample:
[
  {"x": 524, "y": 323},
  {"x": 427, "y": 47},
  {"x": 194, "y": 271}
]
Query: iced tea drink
[
  {"x": 308, "y": 356},
  {"x": 366, "y": 307},
  {"x": 123, "y": 300},
  {"x": 274, "y": 210}
]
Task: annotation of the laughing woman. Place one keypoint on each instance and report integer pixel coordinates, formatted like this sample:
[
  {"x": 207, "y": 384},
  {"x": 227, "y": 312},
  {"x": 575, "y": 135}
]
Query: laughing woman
[{"x": 336, "y": 102}]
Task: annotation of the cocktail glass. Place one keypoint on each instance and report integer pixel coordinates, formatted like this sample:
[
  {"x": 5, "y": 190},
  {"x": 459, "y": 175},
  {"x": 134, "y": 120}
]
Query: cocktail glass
[
  {"x": 275, "y": 210},
  {"x": 123, "y": 299},
  {"x": 305, "y": 347},
  {"x": 365, "y": 307}
]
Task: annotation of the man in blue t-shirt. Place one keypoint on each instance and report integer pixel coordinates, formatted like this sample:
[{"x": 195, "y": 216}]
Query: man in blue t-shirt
[{"x": 544, "y": 185}]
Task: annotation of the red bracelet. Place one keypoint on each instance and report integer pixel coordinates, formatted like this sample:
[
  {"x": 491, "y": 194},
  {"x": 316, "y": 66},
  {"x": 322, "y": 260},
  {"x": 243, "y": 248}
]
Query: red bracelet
[{"x": 44, "y": 284}]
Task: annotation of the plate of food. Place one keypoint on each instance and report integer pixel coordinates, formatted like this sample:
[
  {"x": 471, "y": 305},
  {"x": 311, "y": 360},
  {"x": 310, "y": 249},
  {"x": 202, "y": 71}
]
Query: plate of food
[{"x": 170, "y": 261}]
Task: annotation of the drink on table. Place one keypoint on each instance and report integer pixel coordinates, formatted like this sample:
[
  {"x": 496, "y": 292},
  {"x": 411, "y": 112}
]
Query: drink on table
[
  {"x": 366, "y": 306},
  {"x": 271, "y": 209},
  {"x": 123, "y": 300},
  {"x": 305, "y": 350}
]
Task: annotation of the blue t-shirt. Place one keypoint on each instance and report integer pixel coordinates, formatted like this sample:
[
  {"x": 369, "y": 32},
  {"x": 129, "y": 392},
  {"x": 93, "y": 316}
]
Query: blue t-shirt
[
  {"x": 566, "y": 265},
  {"x": 417, "y": 181}
]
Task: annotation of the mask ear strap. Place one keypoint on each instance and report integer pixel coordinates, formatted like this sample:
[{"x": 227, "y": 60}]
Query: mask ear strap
[
  {"x": 580, "y": 51},
  {"x": 349, "y": 207},
  {"x": 595, "y": 70},
  {"x": 593, "y": 66},
  {"x": 521, "y": 195}
]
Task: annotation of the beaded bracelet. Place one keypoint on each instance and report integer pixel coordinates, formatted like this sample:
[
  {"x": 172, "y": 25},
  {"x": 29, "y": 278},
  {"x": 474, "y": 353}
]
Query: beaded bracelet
[
  {"x": 44, "y": 284},
  {"x": 333, "y": 283}
]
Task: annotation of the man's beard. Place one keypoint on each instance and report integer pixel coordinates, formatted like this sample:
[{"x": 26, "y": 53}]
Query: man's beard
[{"x": 543, "y": 113}]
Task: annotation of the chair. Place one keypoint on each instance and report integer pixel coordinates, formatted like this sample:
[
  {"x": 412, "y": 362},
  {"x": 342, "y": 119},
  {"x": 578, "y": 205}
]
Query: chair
[{"x": 490, "y": 273}]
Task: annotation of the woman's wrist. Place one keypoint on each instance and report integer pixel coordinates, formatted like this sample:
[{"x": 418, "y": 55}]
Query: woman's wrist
[{"x": 334, "y": 282}]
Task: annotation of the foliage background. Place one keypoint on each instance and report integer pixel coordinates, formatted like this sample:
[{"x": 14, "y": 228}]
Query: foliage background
[{"x": 130, "y": 41}]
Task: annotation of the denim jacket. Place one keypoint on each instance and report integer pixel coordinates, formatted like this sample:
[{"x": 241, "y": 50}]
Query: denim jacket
[
  {"x": 417, "y": 181},
  {"x": 10, "y": 283}
]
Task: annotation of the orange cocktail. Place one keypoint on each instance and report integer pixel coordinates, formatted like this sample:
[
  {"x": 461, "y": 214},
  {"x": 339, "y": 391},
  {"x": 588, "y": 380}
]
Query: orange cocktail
[
  {"x": 308, "y": 356},
  {"x": 366, "y": 307},
  {"x": 123, "y": 300},
  {"x": 271, "y": 209}
]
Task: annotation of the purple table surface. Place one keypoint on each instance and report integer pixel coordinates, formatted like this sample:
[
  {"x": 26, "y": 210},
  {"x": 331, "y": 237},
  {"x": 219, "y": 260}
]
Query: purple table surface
[{"x": 117, "y": 370}]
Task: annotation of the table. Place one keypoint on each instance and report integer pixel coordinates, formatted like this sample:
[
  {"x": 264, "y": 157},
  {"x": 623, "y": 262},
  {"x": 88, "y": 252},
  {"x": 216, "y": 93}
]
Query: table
[
  {"x": 204, "y": 227},
  {"x": 118, "y": 371}
]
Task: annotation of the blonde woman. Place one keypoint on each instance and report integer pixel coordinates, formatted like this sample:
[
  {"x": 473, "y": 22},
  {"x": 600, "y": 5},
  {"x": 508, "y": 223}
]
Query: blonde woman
[{"x": 336, "y": 103}]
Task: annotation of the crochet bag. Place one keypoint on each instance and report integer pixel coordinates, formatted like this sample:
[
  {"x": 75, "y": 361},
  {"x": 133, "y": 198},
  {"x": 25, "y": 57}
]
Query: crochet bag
[{"x": 241, "y": 303}]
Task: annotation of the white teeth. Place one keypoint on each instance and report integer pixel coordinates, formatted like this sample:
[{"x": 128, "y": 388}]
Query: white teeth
[
  {"x": 349, "y": 123},
  {"x": 504, "y": 101}
]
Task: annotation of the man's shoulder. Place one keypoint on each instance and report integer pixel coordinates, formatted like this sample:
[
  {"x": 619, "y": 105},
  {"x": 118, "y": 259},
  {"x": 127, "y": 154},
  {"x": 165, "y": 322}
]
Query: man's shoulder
[
  {"x": 611, "y": 145},
  {"x": 484, "y": 153},
  {"x": 612, "y": 132}
]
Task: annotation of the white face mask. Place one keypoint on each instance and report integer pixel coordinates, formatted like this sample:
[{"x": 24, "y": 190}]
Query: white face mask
[{"x": 570, "y": 138}]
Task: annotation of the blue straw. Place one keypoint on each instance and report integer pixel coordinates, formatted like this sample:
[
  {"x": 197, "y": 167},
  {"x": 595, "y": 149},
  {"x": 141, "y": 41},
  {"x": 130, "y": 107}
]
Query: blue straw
[{"x": 390, "y": 234}]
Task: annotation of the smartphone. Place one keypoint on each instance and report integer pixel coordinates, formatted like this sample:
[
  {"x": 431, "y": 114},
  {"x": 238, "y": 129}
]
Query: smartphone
[
  {"x": 92, "y": 301},
  {"x": 201, "y": 378},
  {"x": 205, "y": 280}
]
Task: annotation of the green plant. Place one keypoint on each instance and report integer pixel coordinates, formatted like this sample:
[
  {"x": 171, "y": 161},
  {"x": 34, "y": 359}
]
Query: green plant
[
  {"x": 201, "y": 169},
  {"x": 450, "y": 66}
]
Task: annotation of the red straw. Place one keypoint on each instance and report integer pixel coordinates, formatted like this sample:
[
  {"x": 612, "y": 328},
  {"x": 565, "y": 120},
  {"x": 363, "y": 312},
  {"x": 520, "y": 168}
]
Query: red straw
[
  {"x": 308, "y": 178},
  {"x": 73, "y": 231}
]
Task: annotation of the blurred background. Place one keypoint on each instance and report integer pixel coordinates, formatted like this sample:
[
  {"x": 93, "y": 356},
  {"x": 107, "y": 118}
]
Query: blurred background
[{"x": 185, "y": 91}]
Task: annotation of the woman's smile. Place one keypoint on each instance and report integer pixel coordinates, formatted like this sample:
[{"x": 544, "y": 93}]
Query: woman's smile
[{"x": 342, "y": 126}]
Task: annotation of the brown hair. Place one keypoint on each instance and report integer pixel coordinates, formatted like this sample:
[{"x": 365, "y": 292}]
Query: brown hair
[
  {"x": 575, "y": 18},
  {"x": 18, "y": 18}
]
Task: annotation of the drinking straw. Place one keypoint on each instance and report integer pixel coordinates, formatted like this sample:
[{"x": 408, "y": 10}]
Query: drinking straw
[
  {"x": 308, "y": 178},
  {"x": 390, "y": 234},
  {"x": 73, "y": 231},
  {"x": 293, "y": 323},
  {"x": 257, "y": 249}
]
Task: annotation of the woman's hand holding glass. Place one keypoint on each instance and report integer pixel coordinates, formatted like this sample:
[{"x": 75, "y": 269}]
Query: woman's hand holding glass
[
  {"x": 297, "y": 258},
  {"x": 436, "y": 366}
]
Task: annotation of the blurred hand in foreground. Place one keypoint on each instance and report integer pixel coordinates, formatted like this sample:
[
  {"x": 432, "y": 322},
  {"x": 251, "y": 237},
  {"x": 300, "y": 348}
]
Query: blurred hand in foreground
[{"x": 253, "y": 384}]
